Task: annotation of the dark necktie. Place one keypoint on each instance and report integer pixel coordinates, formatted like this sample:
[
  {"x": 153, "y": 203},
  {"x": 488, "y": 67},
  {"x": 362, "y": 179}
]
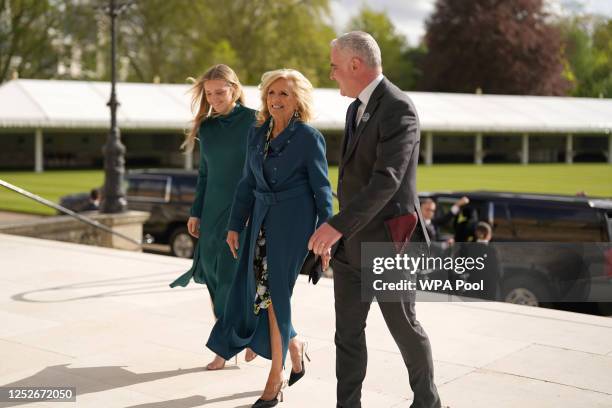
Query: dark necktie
[{"x": 351, "y": 116}]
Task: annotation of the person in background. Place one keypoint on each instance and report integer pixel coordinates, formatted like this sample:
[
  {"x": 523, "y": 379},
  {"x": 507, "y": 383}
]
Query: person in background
[
  {"x": 464, "y": 224},
  {"x": 221, "y": 126},
  {"x": 94, "y": 200},
  {"x": 490, "y": 275},
  {"x": 483, "y": 232},
  {"x": 428, "y": 208}
]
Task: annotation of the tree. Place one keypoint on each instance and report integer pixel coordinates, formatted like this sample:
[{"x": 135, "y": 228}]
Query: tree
[
  {"x": 27, "y": 33},
  {"x": 499, "y": 46},
  {"x": 84, "y": 52},
  {"x": 167, "y": 41},
  {"x": 578, "y": 52},
  {"x": 588, "y": 48},
  {"x": 601, "y": 81},
  {"x": 274, "y": 34},
  {"x": 154, "y": 38},
  {"x": 303, "y": 32},
  {"x": 174, "y": 40},
  {"x": 396, "y": 54}
]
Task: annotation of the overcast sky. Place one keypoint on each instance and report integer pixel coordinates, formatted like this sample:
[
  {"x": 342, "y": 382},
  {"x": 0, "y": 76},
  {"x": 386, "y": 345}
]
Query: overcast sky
[{"x": 409, "y": 15}]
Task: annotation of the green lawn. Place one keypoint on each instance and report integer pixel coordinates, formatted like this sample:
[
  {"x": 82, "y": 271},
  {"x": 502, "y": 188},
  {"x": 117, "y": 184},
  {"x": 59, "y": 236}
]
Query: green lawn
[
  {"x": 51, "y": 185},
  {"x": 594, "y": 179}
]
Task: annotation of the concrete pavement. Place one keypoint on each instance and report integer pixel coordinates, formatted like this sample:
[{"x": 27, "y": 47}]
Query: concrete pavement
[{"x": 106, "y": 321}]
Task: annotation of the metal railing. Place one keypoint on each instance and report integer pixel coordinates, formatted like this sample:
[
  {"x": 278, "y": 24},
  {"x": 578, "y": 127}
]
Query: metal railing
[{"x": 66, "y": 211}]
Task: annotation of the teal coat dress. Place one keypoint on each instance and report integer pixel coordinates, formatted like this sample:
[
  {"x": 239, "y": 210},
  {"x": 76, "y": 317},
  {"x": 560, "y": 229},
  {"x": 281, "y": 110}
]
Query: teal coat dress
[
  {"x": 289, "y": 195},
  {"x": 222, "y": 153}
]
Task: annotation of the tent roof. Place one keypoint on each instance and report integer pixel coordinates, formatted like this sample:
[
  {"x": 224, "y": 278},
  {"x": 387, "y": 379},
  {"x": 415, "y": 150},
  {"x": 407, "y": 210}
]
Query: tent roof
[{"x": 47, "y": 104}]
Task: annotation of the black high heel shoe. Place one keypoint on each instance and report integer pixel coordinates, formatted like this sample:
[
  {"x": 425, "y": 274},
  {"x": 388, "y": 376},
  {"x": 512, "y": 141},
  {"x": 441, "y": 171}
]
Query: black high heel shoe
[
  {"x": 295, "y": 377},
  {"x": 260, "y": 403}
]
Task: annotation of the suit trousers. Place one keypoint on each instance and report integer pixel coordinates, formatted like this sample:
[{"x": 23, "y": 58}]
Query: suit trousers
[{"x": 351, "y": 351}]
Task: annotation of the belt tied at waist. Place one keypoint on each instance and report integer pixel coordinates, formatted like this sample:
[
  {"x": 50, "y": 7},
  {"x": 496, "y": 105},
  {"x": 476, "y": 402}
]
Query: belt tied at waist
[{"x": 272, "y": 198}]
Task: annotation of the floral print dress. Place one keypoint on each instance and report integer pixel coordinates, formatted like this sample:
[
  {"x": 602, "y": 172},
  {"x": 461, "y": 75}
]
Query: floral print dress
[
  {"x": 260, "y": 267},
  {"x": 260, "y": 261}
]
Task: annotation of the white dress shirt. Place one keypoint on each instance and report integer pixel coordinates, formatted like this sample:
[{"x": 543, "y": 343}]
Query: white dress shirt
[{"x": 364, "y": 97}]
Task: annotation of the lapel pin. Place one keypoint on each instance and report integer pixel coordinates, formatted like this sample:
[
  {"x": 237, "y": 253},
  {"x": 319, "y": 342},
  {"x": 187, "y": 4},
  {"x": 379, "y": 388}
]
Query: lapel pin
[{"x": 365, "y": 117}]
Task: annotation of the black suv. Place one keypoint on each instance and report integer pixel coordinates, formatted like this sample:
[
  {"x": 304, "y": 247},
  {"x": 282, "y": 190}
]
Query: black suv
[
  {"x": 570, "y": 234},
  {"x": 167, "y": 194}
]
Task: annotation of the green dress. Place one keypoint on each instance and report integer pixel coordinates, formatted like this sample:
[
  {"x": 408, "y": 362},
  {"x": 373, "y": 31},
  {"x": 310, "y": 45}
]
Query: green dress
[{"x": 223, "y": 142}]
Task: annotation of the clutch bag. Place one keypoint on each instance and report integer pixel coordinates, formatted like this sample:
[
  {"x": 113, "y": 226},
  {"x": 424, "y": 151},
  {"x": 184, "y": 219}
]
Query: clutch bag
[{"x": 312, "y": 267}]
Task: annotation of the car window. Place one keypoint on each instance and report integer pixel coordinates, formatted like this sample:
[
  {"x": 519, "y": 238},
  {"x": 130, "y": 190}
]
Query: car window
[
  {"x": 186, "y": 188},
  {"x": 148, "y": 188},
  {"x": 546, "y": 222},
  {"x": 502, "y": 226}
]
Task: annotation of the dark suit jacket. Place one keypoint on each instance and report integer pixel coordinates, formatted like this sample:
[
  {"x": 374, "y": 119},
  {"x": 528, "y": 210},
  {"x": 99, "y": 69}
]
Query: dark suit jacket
[
  {"x": 434, "y": 227},
  {"x": 377, "y": 173}
]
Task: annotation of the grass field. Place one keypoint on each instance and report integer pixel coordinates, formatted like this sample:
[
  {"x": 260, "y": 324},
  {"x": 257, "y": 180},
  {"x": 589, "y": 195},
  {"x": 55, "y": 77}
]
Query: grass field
[
  {"x": 50, "y": 185},
  {"x": 593, "y": 179}
]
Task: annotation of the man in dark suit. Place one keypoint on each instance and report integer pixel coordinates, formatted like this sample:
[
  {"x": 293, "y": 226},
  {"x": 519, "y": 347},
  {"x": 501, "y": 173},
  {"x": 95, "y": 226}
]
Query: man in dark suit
[
  {"x": 376, "y": 183},
  {"x": 433, "y": 224}
]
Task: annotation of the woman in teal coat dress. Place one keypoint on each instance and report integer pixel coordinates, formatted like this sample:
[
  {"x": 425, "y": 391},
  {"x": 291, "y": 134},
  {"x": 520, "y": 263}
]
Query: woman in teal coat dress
[
  {"x": 283, "y": 196},
  {"x": 221, "y": 124}
]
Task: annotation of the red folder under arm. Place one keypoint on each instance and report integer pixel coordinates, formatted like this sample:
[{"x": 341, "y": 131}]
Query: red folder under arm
[{"x": 401, "y": 229}]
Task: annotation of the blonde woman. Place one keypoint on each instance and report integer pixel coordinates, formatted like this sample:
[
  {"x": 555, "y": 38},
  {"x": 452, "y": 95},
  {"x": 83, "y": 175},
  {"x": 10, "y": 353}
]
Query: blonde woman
[
  {"x": 284, "y": 194},
  {"x": 221, "y": 125}
]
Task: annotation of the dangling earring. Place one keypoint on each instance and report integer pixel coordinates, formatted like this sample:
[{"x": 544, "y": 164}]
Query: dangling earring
[{"x": 296, "y": 114}]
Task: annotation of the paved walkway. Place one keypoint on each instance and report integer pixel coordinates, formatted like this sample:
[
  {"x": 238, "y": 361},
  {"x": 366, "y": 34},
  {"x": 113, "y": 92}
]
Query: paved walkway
[{"x": 106, "y": 322}]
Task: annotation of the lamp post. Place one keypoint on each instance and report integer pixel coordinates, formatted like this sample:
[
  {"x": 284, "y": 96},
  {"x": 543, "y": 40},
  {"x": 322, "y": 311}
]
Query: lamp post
[{"x": 113, "y": 197}]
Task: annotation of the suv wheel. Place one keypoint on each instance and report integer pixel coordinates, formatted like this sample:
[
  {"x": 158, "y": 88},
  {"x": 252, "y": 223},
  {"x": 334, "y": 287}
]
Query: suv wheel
[
  {"x": 181, "y": 243},
  {"x": 525, "y": 290}
]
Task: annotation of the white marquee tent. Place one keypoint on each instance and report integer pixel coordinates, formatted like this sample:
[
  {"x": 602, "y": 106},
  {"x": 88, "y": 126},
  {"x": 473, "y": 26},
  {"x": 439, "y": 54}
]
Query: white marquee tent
[{"x": 39, "y": 105}]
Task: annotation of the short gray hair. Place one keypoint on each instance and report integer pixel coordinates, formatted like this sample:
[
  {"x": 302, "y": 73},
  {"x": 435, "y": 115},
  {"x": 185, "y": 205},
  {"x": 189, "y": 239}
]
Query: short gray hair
[{"x": 361, "y": 44}]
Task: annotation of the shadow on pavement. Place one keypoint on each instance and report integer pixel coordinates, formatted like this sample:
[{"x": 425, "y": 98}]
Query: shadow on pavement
[{"x": 89, "y": 380}]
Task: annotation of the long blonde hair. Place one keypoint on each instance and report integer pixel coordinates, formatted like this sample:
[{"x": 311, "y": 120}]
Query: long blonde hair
[
  {"x": 300, "y": 86},
  {"x": 199, "y": 104}
]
